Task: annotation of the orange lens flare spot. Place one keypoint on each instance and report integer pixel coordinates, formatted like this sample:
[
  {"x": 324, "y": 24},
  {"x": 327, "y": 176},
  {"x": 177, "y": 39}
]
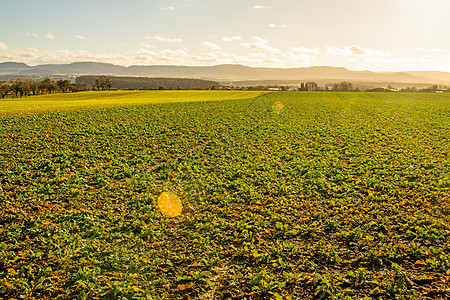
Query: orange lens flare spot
[
  {"x": 169, "y": 204},
  {"x": 277, "y": 107}
]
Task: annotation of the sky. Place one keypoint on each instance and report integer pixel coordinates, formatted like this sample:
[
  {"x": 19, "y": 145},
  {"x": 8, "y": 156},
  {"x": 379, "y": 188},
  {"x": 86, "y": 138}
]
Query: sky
[{"x": 377, "y": 35}]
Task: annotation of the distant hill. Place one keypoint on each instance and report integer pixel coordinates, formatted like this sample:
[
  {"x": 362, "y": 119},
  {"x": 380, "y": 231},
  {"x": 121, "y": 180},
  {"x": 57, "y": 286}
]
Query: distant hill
[
  {"x": 225, "y": 73},
  {"x": 436, "y": 75}
]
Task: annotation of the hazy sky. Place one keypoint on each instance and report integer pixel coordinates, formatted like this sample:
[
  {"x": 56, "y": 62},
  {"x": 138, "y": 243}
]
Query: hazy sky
[{"x": 357, "y": 34}]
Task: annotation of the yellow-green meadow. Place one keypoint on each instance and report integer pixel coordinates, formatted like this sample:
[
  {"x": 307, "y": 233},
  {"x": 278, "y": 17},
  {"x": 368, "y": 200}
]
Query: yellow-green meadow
[{"x": 101, "y": 99}]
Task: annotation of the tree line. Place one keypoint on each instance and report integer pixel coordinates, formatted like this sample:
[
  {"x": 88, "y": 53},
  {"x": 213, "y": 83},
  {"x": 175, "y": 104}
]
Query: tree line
[
  {"x": 25, "y": 87},
  {"x": 343, "y": 86},
  {"x": 146, "y": 83}
]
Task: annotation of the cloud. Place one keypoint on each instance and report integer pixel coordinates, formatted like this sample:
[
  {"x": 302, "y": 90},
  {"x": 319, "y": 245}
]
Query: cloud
[
  {"x": 262, "y": 7},
  {"x": 180, "y": 56},
  {"x": 409, "y": 62},
  {"x": 149, "y": 46},
  {"x": 164, "y": 39},
  {"x": 338, "y": 51},
  {"x": 184, "y": 56},
  {"x": 301, "y": 55},
  {"x": 210, "y": 45},
  {"x": 50, "y": 36},
  {"x": 272, "y": 61},
  {"x": 146, "y": 51},
  {"x": 277, "y": 26},
  {"x": 428, "y": 50},
  {"x": 355, "y": 50},
  {"x": 167, "y": 8},
  {"x": 80, "y": 37},
  {"x": 260, "y": 44},
  {"x": 33, "y": 35},
  {"x": 3, "y": 46},
  {"x": 231, "y": 38},
  {"x": 174, "y": 53},
  {"x": 255, "y": 59},
  {"x": 33, "y": 56},
  {"x": 258, "y": 55},
  {"x": 302, "y": 58},
  {"x": 305, "y": 50}
]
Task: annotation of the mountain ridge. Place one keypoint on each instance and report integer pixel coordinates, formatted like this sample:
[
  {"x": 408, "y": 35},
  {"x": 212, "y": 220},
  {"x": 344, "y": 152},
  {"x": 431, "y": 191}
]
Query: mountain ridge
[{"x": 224, "y": 72}]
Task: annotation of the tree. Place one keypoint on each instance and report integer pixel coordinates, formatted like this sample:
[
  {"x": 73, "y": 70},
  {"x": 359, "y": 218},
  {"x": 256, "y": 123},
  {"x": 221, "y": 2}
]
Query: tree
[
  {"x": 63, "y": 85},
  {"x": 34, "y": 87},
  {"x": 4, "y": 90},
  {"x": 79, "y": 87},
  {"x": 47, "y": 85},
  {"x": 302, "y": 87},
  {"x": 102, "y": 83},
  {"x": 311, "y": 86},
  {"x": 344, "y": 86},
  {"x": 21, "y": 88}
]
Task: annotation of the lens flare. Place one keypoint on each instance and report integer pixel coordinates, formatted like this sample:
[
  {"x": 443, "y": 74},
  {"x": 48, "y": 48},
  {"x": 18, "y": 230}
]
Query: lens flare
[
  {"x": 169, "y": 204},
  {"x": 278, "y": 107}
]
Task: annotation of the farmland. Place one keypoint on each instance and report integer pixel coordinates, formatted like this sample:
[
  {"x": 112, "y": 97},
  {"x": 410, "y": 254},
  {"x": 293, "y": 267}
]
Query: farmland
[
  {"x": 95, "y": 100},
  {"x": 287, "y": 195}
]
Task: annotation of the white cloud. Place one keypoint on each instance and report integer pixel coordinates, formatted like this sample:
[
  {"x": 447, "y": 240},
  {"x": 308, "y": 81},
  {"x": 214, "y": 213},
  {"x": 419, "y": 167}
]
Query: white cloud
[
  {"x": 33, "y": 56},
  {"x": 262, "y": 7},
  {"x": 428, "y": 50},
  {"x": 294, "y": 56},
  {"x": 33, "y": 35},
  {"x": 258, "y": 55},
  {"x": 301, "y": 55},
  {"x": 355, "y": 50},
  {"x": 80, "y": 37},
  {"x": 146, "y": 51},
  {"x": 180, "y": 56},
  {"x": 409, "y": 62},
  {"x": 261, "y": 40},
  {"x": 184, "y": 57},
  {"x": 272, "y": 61},
  {"x": 231, "y": 38},
  {"x": 50, "y": 36},
  {"x": 210, "y": 45},
  {"x": 164, "y": 39},
  {"x": 260, "y": 44},
  {"x": 305, "y": 50},
  {"x": 167, "y": 8},
  {"x": 254, "y": 59},
  {"x": 149, "y": 46},
  {"x": 302, "y": 58},
  {"x": 275, "y": 26},
  {"x": 174, "y": 53}
]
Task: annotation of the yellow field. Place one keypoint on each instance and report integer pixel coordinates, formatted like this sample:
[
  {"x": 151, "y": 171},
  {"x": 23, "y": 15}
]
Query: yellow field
[{"x": 93, "y": 100}]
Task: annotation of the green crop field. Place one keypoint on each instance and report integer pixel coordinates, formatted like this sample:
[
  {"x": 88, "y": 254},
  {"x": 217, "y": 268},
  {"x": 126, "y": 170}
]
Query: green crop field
[
  {"x": 95, "y": 100},
  {"x": 287, "y": 195}
]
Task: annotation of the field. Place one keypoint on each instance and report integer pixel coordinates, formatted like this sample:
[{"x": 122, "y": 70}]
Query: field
[
  {"x": 94, "y": 100},
  {"x": 288, "y": 195}
]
